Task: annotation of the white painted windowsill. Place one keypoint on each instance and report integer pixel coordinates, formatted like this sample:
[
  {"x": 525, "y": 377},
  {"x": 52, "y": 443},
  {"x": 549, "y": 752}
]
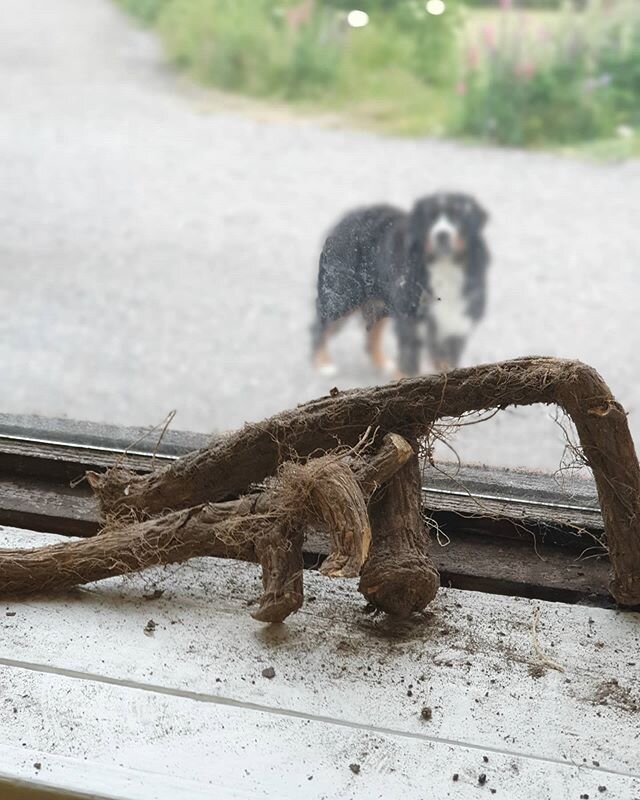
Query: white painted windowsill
[{"x": 105, "y": 708}]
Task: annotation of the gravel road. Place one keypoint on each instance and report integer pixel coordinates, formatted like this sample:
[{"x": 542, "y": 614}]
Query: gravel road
[{"x": 158, "y": 247}]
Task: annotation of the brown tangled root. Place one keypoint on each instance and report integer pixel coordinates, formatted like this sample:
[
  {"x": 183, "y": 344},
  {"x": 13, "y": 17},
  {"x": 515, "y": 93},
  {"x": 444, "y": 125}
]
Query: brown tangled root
[
  {"x": 330, "y": 491},
  {"x": 183, "y": 510}
]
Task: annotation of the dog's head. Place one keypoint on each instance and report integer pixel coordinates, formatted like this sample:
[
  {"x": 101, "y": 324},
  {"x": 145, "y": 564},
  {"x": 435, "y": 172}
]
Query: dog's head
[{"x": 446, "y": 224}]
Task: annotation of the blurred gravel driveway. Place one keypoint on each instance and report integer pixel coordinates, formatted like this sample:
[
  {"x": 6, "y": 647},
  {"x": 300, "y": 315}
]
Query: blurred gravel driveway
[{"x": 158, "y": 254}]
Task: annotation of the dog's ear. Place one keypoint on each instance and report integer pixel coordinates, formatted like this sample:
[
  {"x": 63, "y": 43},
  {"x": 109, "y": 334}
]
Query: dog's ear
[{"x": 476, "y": 214}]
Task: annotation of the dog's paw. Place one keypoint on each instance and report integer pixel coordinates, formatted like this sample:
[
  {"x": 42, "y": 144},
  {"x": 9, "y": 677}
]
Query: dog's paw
[
  {"x": 389, "y": 367},
  {"x": 327, "y": 370},
  {"x": 442, "y": 366},
  {"x": 392, "y": 371}
]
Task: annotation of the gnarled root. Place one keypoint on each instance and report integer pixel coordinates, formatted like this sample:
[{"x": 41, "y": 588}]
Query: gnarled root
[
  {"x": 399, "y": 576},
  {"x": 231, "y": 464},
  {"x": 266, "y": 527},
  {"x": 328, "y": 492},
  {"x": 280, "y": 555}
]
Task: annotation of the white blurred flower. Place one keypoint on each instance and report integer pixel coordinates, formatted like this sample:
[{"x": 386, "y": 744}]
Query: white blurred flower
[
  {"x": 625, "y": 131},
  {"x": 357, "y": 19},
  {"x": 435, "y": 7}
]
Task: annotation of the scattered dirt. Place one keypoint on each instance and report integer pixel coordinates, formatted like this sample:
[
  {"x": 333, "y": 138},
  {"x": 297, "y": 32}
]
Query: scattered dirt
[
  {"x": 344, "y": 645},
  {"x": 427, "y": 714},
  {"x": 37, "y": 765},
  {"x": 456, "y": 777},
  {"x": 355, "y": 768},
  {"x": 612, "y": 693},
  {"x": 268, "y": 672},
  {"x": 537, "y": 671},
  {"x": 149, "y": 628},
  {"x": 413, "y": 628},
  {"x": 154, "y": 595},
  {"x": 482, "y": 779},
  {"x": 10, "y": 613}
]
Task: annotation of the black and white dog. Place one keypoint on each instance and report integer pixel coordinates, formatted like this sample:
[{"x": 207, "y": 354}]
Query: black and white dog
[{"x": 426, "y": 269}]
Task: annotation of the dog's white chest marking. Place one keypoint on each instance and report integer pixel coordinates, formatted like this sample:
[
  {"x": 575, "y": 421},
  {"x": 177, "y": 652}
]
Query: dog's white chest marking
[{"x": 448, "y": 305}]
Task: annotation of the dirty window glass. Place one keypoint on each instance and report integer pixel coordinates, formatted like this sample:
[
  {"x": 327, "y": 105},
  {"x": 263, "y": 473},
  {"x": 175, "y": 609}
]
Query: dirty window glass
[{"x": 227, "y": 208}]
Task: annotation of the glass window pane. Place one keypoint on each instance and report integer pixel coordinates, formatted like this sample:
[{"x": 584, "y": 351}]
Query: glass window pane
[{"x": 172, "y": 168}]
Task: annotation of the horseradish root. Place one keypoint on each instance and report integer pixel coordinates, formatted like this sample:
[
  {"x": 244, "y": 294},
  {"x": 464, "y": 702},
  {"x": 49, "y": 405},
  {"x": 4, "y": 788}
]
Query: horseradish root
[{"x": 231, "y": 464}]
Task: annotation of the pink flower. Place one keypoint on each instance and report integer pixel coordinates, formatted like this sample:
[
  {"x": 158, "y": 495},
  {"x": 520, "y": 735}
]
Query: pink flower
[
  {"x": 472, "y": 57},
  {"x": 461, "y": 88},
  {"x": 506, "y": 5},
  {"x": 527, "y": 69},
  {"x": 489, "y": 36},
  {"x": 543, "y": 34}
]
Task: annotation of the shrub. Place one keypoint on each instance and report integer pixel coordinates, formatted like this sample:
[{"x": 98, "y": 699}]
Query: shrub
[
  {"x": 530, "y": 4},
  {"x": 147, "y": 10},
  {"x": 250, "y": 45},
  {"x": 220, "y": 41},
  {"x": 575, "y": 83},
  {"x": 619, "y": 59},
  {"x": 314, "y": 59}
]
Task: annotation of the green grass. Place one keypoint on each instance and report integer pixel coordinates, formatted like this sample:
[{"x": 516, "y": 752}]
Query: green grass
[
  {"x": 614, "y": 149},
  {"x": 392, "y": 101}
]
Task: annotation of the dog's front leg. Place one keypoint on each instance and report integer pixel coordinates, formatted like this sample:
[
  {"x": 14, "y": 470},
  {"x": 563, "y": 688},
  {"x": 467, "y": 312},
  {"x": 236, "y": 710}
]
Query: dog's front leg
[{"x": 408, "y": 345}]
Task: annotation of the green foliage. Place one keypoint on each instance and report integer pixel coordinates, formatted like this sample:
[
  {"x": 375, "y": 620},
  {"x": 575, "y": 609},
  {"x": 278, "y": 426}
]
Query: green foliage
[
  {"x": 539, "y": 78},
  {"x": 314, "y": 60},
  {"x": 252, "y": 45},
  {"x": 619, "y": 58},
  {"x": 147, "y": 10},
  {"x": 524, "y": 4},
  {"x": 244, "y": 45},
  {"x": 576, "y": 83},
  {"x": 225, "y": 42}
]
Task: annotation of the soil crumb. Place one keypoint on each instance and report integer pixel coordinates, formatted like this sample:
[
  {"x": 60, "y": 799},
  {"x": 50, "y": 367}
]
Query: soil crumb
[
  {"x": 612, "y": 693},
  {"x": 537, "y": 671}
]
